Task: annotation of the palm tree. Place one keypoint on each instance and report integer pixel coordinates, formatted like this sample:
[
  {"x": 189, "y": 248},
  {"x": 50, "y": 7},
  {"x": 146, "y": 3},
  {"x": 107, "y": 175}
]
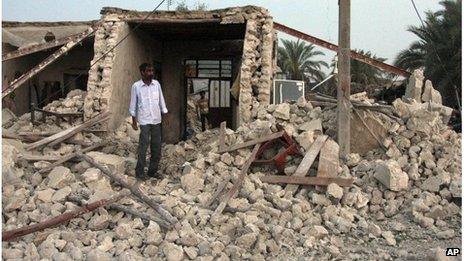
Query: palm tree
[
  {"x": 438, "y": 50},
  {"x": 296, "y": 59},
  {"x": 365, "y": 74}
]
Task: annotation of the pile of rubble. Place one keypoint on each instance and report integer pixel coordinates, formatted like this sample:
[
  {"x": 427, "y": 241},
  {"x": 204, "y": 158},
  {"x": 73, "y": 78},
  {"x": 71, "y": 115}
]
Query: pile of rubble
[
  {"x": 74, "y": 102},
  {"x": 402, "y": 196}
]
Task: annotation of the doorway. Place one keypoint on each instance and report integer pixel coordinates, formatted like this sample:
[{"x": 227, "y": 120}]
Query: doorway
[{"x": 214, "y": 77}]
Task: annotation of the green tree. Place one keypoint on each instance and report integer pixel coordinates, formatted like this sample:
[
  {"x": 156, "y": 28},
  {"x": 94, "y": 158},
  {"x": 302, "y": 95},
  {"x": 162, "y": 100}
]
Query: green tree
[
  {"x": 438, "y": 50},
  {"x": 297, "y": 61},
  {"x": 182, "y": 6}
]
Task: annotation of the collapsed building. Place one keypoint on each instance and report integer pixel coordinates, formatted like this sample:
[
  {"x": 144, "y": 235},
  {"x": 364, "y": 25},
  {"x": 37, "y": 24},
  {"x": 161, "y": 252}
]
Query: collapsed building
[
  {"x": 217, "y": 199},
  {"x": 189, "y": 50},
  {"x": 24, "y": 45}
]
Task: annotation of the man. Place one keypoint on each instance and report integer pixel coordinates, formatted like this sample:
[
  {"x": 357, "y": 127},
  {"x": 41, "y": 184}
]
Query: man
[
  {"x": 203, "y": 109},
  {"x": 146, "y": 105}
]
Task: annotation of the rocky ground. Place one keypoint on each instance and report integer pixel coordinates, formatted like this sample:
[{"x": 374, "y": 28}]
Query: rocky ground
[{"x": 404, "y": 203}]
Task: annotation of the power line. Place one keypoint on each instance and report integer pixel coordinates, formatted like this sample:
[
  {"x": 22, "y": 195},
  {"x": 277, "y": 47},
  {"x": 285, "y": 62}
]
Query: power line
[
  {"x": 118, "y": 43},
  {"x": 438, "y": 56}
]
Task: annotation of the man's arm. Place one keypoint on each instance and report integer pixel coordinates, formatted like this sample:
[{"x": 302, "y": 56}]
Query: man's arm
[
  {"x": 133, "y": 107},
  {"x": 162, "y": 103}
]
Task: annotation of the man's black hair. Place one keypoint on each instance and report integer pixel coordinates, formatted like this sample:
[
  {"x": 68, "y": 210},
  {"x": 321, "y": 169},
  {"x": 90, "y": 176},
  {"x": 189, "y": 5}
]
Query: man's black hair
[
  {"x": 202, "y": 93},
  {"x": 144, "y": 66}
]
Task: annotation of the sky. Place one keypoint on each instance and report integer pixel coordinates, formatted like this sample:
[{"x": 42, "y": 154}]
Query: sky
[{"x": 378, "y": 26}]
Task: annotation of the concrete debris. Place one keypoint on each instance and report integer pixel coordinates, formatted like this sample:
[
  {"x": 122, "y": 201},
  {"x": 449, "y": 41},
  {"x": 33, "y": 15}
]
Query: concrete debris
[{"x": 397, "y": 192}]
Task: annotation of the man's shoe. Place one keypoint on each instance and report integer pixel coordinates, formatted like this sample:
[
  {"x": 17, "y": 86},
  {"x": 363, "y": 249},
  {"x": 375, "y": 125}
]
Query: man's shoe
[
  {"x": 142, "y": 178},
  {"x": 155, "y": 175}
]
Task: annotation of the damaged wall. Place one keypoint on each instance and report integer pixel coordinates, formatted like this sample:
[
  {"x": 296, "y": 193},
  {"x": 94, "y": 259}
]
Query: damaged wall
[
  {"x": 256, "y": 68},
  {"x": 128, "y": 56}
]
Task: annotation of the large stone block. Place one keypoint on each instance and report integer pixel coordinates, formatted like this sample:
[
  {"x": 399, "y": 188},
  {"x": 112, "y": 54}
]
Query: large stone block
[
  {"x": 389, "y": 173},
  {"x": 430, "y": 94},
  {"x": 115, "y": 163},
  {"x": 414, "y": 88}
]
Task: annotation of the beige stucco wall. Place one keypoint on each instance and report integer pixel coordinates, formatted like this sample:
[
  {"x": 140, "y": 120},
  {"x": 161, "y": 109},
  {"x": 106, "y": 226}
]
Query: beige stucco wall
[{"x": 136, "y": 49}]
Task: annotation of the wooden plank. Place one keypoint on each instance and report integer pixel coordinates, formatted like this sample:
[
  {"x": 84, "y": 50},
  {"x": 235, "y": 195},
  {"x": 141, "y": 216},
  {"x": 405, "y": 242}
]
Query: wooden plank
[
  {"x": 65, "y": 134},
  {"x": 309, "y": 181},
  {"x": 253, "y": 142},
  {"x": 329, "y": 159},
  {"x": 238, "y": 183},
  {"x": 100, "y": 118},
  {"x": 70, "y": 156},
  {"x": 222, "y": 136},
  {"x": 218, "y": 192},
  {"x": 54, "y": 221},
  {"x": 60, "y": 114},
  {"x": 306, "y": 163},
  {"x": 29, "y": 157},
  {"x": 116, "y": 177},
  {"x": 137, "y": 213}
]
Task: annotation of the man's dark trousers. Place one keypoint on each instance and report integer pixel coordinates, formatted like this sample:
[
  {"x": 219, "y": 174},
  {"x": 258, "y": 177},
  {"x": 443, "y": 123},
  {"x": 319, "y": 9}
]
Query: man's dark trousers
[{"x": 149, "y": 134}]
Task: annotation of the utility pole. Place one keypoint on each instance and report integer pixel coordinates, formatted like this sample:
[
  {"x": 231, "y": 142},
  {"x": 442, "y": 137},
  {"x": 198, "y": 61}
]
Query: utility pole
[{"x": 344, "y": 78}]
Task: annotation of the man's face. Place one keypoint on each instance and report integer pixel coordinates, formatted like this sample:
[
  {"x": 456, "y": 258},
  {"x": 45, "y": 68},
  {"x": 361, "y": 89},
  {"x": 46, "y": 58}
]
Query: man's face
[{"x": 148, "y": 73}]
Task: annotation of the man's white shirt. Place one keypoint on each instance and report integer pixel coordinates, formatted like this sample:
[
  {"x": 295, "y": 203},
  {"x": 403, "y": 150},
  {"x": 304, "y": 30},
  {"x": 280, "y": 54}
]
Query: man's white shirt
[{"x": 147, "y": 102}]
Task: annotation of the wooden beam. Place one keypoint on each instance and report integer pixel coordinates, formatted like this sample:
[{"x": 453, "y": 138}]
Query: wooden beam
[
  {"x": 357, "y": 56},
  {"x": 52, "y": 222},
  {"x": 30, "y": 157},
  {"x": 157, "y": 20},
  {"x": 65, "y": 134},
  {"x": 238, "y": 183},
  {"x": 218, "y": 191},
  {"x": 69, "y": 157},
  {"x": 344, "y": 78},
  {"x": 136, "y": 213},
  {"x": 253, "y": 142},
  {"x": 306, "y": 163},
  {"x": 309, "y": 181},
  {"x": 116, "y": 177}
]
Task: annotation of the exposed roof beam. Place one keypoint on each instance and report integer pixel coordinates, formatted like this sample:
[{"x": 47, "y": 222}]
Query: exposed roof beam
[
  {"x": 357, "y": 56},
  {"x": 50, "y": 59},
  {"x": 39, "y": 47},
  {"x": 157, "y": 20}
]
